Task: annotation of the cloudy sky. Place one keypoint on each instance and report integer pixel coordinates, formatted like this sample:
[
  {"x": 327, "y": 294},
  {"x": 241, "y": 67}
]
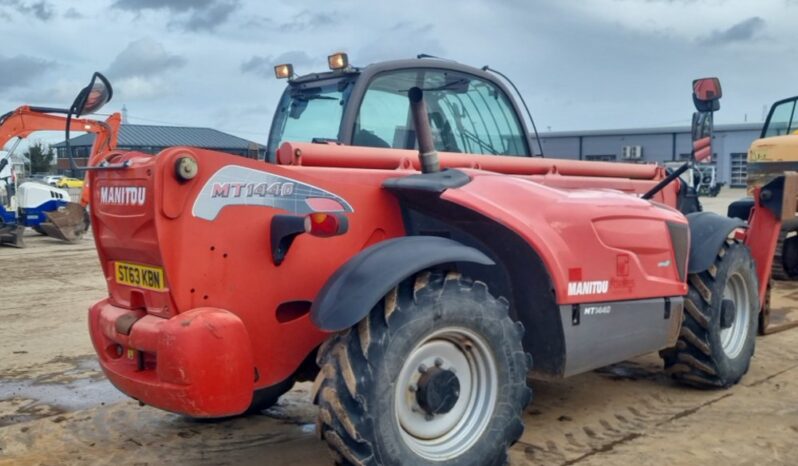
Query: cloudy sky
[{"x": 586, "y": 64}]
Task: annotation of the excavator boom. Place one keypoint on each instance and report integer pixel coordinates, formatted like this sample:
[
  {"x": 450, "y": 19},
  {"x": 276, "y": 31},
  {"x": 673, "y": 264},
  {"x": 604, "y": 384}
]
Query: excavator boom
[{"x": 71, "y": 221}]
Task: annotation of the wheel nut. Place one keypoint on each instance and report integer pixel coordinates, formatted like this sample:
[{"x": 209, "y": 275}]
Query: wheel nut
[
  {"x": 428, "y": 417},
  {"x": 438, "y": 362},
  {"x": 412, "y": 388},
  {"x": 422, "y": 368}
]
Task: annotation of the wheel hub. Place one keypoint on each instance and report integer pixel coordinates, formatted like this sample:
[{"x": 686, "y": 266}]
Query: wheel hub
[
  {"x": 735, "y": 315},
  {"x": 438, "y": 391},
  {"x": 727, "y": 313},
  {"x": 445, "y": 393}
]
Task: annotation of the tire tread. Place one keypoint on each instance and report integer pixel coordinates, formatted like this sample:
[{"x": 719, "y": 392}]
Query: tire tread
[
  {"x": 691, "y": 361},
  {"x": 346, "y": 371}
]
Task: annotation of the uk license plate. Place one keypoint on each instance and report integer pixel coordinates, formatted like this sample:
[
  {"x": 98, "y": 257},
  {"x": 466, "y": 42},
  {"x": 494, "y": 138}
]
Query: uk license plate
[{"x": 140, "y": 276}]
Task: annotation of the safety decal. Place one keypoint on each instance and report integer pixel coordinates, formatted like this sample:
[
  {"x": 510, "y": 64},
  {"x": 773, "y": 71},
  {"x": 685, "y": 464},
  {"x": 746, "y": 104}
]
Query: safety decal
[{"x": 236, "y": 185}]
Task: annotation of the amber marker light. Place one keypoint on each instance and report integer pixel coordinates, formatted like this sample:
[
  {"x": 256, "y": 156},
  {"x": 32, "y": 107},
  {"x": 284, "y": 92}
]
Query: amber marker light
[
  {"x": 338, "y": 61},
  {"x": 284, "y": 71}
]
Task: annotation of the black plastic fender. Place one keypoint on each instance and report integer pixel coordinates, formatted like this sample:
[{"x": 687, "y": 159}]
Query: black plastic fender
[
  {"x": 741, "y": 208},
  {"x": 708, "y": 231},
  {"x": 351, "y": 292}
]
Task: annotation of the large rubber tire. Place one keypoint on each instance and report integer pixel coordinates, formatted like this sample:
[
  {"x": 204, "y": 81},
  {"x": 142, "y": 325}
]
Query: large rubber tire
[
  {"x": 785, "y": 259},
  {"x": 707, "y": 355},
  {"x": 362, "y": 390},
  {"x": 265, "y": 398}
]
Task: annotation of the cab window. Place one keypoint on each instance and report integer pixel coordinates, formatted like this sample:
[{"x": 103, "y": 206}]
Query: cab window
[
  {"x": 466, "y": 114},
  {"x": 309, "y": 112},
  {"x": 782, "y": 119}
]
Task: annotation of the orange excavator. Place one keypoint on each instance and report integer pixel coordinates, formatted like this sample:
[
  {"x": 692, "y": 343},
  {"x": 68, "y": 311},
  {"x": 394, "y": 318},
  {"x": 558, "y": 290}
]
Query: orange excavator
[{"x": 26, "y": 206}]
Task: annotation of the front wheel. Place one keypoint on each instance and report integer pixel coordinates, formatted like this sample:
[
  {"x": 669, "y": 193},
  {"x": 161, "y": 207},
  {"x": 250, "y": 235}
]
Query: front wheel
[
  {"x": 718, "y": 334},
  {"x": 436, "y": 374}
]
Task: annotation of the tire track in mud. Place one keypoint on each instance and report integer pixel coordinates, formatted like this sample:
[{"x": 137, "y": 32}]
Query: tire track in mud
[
  {"x": 572, "y": 420},
  {"x": 124, "y": 432}
]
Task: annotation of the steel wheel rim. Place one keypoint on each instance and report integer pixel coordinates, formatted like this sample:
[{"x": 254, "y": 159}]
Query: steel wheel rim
[
  {"x": 448, "y": 435},
  {"x": 733, "y": 339}
]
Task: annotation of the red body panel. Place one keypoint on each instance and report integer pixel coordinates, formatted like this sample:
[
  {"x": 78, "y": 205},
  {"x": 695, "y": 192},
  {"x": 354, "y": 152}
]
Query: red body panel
[
  {"x": 220, "y": 276},
  {"x": 198, "y": 363},
  {"x": 761, "y": 237},
  {"x": 583, "y": 236}
]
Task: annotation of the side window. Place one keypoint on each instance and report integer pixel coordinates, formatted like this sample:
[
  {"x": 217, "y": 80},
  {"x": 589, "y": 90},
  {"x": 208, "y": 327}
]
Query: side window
[
  {"x": 475, "y": 116},
  {"x": 384, "y": 116},
  {"x": 782, "y": 120},
  {"x": 466, "y": 114}
]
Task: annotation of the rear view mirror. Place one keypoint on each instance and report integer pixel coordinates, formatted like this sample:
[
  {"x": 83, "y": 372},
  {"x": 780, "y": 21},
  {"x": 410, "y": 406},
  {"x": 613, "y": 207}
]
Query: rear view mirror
[
  {"x": 93, "y": 97},
  {"x": 706, "y": 94}
]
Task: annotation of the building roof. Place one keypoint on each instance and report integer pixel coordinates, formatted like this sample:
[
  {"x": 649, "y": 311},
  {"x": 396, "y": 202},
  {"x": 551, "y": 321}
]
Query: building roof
[
  {"x": 642, "y": 131},
  {"x": 168, "y": 136}
]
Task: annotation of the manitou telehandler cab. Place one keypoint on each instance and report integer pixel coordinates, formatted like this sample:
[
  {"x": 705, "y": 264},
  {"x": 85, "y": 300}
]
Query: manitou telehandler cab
[
  {"x": 424, "y": 284},
  {"x": 471, "y": 111}
]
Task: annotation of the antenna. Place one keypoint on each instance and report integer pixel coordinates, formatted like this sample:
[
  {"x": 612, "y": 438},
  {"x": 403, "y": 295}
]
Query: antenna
[{"x": 124, "y": 114}]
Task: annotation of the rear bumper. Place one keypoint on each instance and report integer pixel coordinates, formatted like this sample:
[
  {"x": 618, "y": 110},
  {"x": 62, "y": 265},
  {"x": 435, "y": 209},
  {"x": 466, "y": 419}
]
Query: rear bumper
[{"x": 198, "y": 363}]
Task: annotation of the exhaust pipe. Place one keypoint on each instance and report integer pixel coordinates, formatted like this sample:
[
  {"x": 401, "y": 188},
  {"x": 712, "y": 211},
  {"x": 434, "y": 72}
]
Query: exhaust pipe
[{"x": 427, "y": 155}]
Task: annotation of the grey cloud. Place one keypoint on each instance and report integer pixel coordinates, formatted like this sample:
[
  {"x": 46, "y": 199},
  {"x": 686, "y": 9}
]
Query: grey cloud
[
  {"x": 207, "y": 19},
  {"x": 258, "y": 22},
  {"x": 144, "y": 58},
  {"x": 42, "y": 9},
  {"x": 264, "y": 66},
  {"x": 173, "y": 5},
  {"x": 72, "y": 14},
  {"x": 189, "y": 15},
  {"x": 404, "y": 39},
  {"x": 26, "y": 69},
  {"x": 745, "y": 30},
  {"x": 307, "y": 19}
]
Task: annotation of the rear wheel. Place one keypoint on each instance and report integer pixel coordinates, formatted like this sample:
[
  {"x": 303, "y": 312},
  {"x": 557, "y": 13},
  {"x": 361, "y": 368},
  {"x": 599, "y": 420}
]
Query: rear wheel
[
  {"x": 785, "y": 259},
  {"x": 436, "y": 374},
  {"x": 718, "y": 334}
]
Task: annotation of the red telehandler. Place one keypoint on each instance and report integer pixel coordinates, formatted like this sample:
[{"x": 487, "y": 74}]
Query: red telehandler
[
  {"x": 425, "y": 296},
  {"x": 426, "y": 285}
]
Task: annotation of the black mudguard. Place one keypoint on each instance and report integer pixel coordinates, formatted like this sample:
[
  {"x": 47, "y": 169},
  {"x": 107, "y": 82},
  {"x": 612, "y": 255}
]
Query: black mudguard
[
  {"x": 708, "y": 231},
  {"x": 351, "y": 292},
  {"x": 741, "y": 208}
]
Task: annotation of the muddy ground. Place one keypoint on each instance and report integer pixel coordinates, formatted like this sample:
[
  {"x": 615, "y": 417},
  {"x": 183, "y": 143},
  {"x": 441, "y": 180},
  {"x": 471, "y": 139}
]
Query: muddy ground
[{"x": 57, "y": 408}]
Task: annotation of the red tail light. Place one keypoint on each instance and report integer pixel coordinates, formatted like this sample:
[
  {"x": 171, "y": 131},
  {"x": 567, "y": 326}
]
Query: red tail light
[{"x": 325, "y": 225}]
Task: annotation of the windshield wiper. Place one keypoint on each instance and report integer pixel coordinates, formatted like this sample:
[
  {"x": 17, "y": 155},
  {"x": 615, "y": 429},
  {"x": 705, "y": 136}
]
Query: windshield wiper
[
  {"x": 307, "y": 97},
  {"x": 462, "y": 83}
]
